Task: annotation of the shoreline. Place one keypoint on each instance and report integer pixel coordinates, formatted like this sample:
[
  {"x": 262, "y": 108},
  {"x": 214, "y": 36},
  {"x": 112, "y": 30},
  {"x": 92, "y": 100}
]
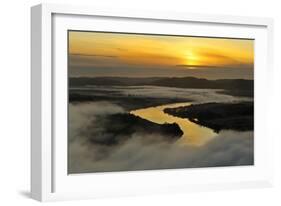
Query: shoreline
[{"x": 218, "y": 116}]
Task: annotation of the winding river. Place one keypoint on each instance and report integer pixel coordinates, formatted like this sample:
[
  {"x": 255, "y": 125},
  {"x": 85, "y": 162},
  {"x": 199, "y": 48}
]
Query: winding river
[{"x": 193, "y": 134}]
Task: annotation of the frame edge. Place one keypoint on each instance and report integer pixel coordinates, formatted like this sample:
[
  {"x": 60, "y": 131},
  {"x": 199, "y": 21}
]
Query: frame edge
[
  {"x": 39, "y": 13},
  {"x": 36, "y": 138}
]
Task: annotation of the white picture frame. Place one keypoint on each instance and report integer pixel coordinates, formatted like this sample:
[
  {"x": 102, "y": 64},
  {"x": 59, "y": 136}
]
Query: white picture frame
[{"x": 49, "y": 178}]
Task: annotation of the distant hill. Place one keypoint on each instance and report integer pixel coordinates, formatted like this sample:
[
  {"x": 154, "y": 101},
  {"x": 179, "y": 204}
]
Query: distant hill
[
  {"x": 114, "y": 81},
  {"x": 192, "y": 82},
  {"x": 218, "y": 116},
  {"x": 180, "y": 82}
]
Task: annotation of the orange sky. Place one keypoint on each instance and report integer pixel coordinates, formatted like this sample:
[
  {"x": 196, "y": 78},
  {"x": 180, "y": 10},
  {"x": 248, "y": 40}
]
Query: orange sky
[{"x": 104, "y": 50}]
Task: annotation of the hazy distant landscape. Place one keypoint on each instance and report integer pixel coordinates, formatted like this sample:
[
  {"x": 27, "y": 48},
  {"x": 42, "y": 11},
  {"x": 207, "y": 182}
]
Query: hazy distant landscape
[
  {"x": 133, "y": 106},
  {"x": 111, "y": 127}
]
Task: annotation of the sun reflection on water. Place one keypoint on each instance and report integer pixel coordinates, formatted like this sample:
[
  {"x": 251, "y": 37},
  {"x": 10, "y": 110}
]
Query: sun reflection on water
[{"x": 193, "y": 134}]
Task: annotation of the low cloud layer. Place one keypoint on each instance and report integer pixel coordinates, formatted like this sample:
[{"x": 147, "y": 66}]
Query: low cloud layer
[
  {"x": 227, "y": 149},
  {"x": 196, "y": 95}
]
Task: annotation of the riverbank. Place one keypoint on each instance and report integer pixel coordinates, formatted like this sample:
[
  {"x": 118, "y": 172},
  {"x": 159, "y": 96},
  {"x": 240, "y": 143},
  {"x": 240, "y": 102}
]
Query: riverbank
[
  {"x": 218, "y": 116},
  {"x": 125, "y": 101},
  {"x": 233, "y": 87},
  {"x": 117, "y": 128}
]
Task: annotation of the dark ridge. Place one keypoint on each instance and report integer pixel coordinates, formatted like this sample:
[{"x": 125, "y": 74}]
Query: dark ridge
[
  {"x": 235, "y": 87},
  {"x": 120, "y": 127},
  {"x": 128, "y": 102},
  {"x": 192, "y": 82},
  {"x": 218, "y": 116},
  {"x": 113, "y": 81}
]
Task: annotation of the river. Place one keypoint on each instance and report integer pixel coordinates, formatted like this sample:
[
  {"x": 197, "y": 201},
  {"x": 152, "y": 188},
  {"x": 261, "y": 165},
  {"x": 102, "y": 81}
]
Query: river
[{"x": 193, "y": 134}]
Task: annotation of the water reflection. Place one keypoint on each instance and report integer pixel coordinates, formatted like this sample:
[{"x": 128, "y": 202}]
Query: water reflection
[{"x": 193, "y": 134}]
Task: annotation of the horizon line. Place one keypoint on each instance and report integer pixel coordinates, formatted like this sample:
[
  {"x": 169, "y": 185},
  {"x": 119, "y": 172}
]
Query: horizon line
[{"x": 93, "y": 77}]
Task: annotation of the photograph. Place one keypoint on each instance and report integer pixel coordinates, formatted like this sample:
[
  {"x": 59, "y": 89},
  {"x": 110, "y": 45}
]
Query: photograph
[{"x": 141, "y": 101}]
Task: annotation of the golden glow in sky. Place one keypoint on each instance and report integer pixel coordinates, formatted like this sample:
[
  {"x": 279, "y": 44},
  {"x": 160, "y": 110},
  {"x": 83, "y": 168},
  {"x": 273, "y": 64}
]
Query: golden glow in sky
[{"x": 107, "y": 50}]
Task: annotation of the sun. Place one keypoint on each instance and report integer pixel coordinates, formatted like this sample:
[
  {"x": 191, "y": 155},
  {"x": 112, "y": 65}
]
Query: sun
[{"x": 191, "y": 58}]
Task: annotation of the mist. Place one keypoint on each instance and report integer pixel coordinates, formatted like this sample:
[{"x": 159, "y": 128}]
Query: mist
[
  {"x": 141, "y": 151},
  {"x": 194, "y": 95}
]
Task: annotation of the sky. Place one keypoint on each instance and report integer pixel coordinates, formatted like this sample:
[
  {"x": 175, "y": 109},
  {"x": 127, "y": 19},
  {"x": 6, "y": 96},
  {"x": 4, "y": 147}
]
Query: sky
[{"x": 93, "y": 54}]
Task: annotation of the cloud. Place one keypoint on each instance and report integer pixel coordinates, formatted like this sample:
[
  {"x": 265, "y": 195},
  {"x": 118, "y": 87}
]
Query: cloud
[
  {"x": 83, "y": 115},
  {"x": 194, "y": 95},
  {"x": 197, "y": 66},
  {"x": 227, "y": 149},
  {"x": 79, "y": 60},
  {"x": 93, "y": 55}
]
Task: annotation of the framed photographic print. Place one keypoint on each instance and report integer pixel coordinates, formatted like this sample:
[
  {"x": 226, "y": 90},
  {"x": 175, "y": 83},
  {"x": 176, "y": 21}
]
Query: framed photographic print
[{"x": 137, "y": 102}]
